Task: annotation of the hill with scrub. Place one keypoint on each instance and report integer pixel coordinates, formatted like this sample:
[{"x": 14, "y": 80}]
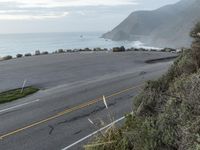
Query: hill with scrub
[
  {"x": 167, "y": 26},
  {"x": 166, "y": 113}
]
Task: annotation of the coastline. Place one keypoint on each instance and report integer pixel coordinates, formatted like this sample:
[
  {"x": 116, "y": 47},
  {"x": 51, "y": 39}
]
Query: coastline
[{"x": 114, "y": 49}]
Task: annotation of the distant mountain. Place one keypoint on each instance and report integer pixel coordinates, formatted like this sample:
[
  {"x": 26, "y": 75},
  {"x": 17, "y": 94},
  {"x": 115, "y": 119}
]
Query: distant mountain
[{"x": 167, "y": 26}]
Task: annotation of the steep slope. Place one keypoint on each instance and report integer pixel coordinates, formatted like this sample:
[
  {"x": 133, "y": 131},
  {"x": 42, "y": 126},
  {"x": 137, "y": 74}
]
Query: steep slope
[
  {"x": 166, "y": 114},
  {"x": 167, "y": 26}
]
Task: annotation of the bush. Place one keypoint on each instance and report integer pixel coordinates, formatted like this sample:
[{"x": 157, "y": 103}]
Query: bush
[
  {"x": 166, "y": 113},
  {"x": 19, "y": 55},
  {"x": 69, "y": 51},
  {"x": 61, "y": 51},
  {"x": 7, "y": 57},
  {"x": 119, "y": 49},
  {"x": 45, "y": 53},
  {"x": 27, "y": 54},
  {"x": 15, "y": 94},
  {"x": 97, "y": 49},
  {"x": 87, "y": 49},
  {"x": 175, "y": 127},
  {"x": 186, "y": 63},
  {"x": 37, "y": 52},
  {"x": 168, "y": 50}
]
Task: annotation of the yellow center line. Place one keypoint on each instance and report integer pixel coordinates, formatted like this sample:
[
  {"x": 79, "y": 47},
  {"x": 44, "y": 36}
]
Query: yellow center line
[{"x": 75, "y": 108}]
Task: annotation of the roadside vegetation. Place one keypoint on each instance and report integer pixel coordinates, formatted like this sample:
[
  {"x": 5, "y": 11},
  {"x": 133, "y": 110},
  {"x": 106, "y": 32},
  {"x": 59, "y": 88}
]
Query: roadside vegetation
[
  {"x": 12, "y": 95},
  {"x": 166, "y": 113}
]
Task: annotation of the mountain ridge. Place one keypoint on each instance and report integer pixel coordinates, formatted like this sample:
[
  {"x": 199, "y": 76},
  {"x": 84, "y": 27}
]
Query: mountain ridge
[{"x": 167, "y": 26}]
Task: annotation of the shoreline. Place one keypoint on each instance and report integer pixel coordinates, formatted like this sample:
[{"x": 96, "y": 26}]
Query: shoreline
[{"x": 114, "y": 50}]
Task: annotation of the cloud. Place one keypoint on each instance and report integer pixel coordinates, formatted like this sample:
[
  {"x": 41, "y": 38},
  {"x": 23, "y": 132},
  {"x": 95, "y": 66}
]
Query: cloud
[
  {"x": 49, "y": 9},
  {"x": 31, "y": 17},
  {"x": 69, "y": 3}
]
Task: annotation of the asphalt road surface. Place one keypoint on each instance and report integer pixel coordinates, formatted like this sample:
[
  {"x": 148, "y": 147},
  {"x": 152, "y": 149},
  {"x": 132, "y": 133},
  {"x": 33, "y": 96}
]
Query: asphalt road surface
[{"x": 72, "y": 87}]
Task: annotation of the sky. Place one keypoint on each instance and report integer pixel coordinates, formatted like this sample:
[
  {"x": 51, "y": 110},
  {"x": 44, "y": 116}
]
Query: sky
[{"x": 33, "y": 16}]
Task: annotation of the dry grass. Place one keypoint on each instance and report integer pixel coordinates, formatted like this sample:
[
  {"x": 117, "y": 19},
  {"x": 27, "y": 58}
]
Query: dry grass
[{"x": 166, "y": 114}]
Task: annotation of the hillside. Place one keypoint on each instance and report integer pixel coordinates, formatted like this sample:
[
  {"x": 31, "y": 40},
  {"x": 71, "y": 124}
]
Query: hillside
[
  {"x": 162, "y": 27},
  {"x": 166, "y": 114}
]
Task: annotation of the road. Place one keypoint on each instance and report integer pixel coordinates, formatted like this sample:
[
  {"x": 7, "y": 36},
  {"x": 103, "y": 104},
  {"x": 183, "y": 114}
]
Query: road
[{"x": 72, "y": 89}]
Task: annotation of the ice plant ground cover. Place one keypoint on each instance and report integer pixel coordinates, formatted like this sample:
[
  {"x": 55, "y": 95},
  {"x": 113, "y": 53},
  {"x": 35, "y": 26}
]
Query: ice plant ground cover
[{"x": 15, "y": 94}]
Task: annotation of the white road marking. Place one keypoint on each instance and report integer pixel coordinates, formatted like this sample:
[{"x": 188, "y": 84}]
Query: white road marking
[
  {"x": 90, "y": 135},
  {"x": 17, "y": 106}
]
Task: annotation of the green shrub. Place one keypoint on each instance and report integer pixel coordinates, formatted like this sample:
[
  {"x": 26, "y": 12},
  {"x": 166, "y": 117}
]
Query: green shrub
[
  {"x": 27, "y": 54},
  {"x": 15, "y": 94},
  {"x": 61, "y": 51},
  {"x": 119, "y": 49},
  {"x": 19, "y": 55},
  {"x": 45, "y": 53},
  {"x": 37, "y": 52},
  {"x": 7, "y": 57}
]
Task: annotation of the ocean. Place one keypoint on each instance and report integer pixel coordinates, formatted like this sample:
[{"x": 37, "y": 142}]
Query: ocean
[{"x": 12, "y": 44}]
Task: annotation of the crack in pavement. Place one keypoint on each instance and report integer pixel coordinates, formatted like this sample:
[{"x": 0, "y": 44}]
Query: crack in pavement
[
  {"x": 77, "y": 132},
  {"x": 97, "y": 109},
  {"x": 51, "y": 129}
]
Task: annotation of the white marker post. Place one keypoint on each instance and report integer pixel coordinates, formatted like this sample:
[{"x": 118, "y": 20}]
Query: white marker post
[
  {"x": 90, "y": 121},
  {"x": 24, "y": 83},
  {"x": 104, "y": 101}
]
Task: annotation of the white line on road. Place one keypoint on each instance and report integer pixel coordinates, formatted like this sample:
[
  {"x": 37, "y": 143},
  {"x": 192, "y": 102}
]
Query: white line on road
[
  {"x": 90, "y": 135},
  {"x": 17, "y": 106}
]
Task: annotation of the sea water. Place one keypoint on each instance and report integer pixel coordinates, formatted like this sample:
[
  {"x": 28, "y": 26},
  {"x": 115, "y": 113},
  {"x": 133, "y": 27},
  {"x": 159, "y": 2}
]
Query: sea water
[{"x": 12, "y": 44}]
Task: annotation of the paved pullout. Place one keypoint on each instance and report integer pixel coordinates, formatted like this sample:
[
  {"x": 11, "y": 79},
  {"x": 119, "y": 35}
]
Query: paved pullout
[{"x": 58, "y": 115}]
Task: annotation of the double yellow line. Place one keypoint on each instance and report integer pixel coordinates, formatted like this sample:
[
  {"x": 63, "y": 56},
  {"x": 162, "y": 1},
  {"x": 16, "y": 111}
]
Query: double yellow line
[{"x": 75, "y": 108}]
